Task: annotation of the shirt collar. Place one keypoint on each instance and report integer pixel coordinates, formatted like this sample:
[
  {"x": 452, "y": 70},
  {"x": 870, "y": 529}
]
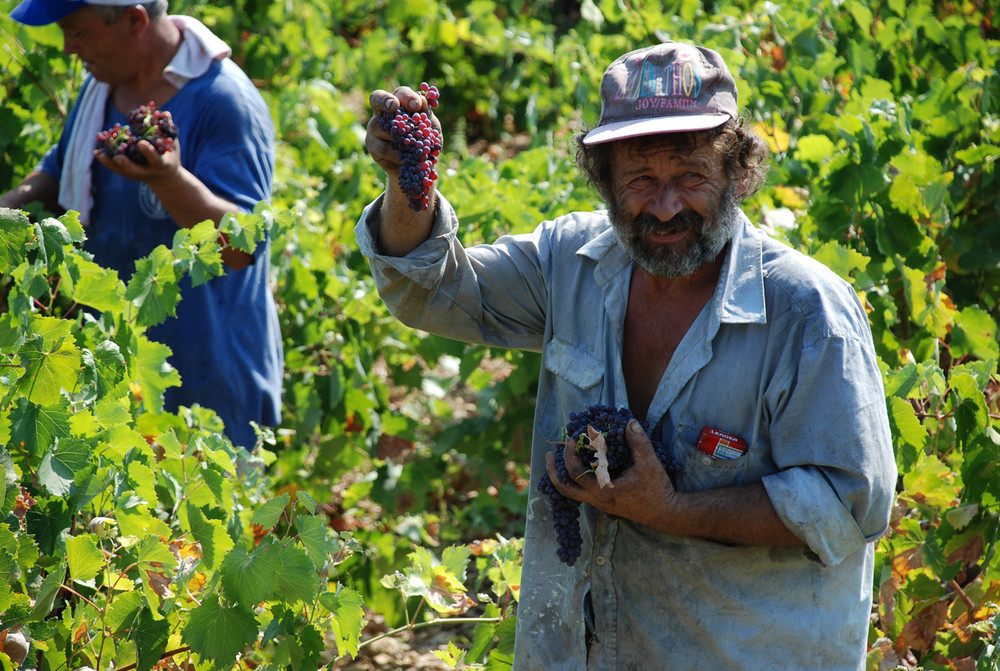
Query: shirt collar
[{"x": 739, "y": 295}]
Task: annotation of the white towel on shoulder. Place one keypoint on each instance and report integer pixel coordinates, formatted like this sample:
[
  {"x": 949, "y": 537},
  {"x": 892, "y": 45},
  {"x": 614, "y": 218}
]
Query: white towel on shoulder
[{"x": 198, "y": 50}]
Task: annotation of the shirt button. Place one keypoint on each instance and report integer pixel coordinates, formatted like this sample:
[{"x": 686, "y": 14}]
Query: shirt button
[{"x": 600, "y": 561}]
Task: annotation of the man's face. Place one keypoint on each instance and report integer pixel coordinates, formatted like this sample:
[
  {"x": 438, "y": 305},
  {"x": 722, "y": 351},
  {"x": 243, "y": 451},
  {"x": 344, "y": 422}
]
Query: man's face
[
  {"x": 97, "y": 44},
  {"x": 673, "y": 211}
]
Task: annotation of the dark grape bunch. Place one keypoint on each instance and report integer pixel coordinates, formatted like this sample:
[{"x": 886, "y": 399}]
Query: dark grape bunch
[
  {"x": 146, "y": 122},
  {"x": 418, "y": 144},
  {"x": 612, "y": 423}
]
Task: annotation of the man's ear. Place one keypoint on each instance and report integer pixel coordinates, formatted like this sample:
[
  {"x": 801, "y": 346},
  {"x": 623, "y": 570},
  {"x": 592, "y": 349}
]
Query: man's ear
[
  {"x": 137, "y": 18},
  {"x": 742, "y": 185}
]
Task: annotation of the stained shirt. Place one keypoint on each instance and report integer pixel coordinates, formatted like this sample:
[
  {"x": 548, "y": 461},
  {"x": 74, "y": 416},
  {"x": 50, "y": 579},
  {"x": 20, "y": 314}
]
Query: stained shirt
[
  {"x": 781, "y": 356},
  {"x": 225, "y": 339}
]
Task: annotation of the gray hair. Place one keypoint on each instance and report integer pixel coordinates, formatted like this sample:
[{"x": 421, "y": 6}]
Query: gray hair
[{"x": 156, "y": 9}]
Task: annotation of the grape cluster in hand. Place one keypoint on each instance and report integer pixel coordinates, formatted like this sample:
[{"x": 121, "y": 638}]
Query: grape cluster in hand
[
  {"x": 146, "y": 122},
  {"x": 613, "y": 424},
  {"x": 418, "y": 144}
]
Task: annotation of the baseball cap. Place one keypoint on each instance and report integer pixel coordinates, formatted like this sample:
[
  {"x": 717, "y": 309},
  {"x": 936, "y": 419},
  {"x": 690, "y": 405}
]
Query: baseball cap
[
  {"x": 666, "y": 88},
  {"x": 44, "y": 12}
]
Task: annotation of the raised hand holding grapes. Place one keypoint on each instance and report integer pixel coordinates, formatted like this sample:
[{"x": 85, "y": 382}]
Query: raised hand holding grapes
[{"x": 408, "y": 206}]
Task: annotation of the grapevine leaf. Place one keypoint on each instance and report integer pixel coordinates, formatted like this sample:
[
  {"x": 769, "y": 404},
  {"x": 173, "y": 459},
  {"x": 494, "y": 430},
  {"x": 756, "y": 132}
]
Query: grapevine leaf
[
  {"x": 46, "y": 596},
  {"x": 199, "y": 247},
  {"x": 9, "y": 570},
  {"x": 103, "y": 368},
  {"x": 95, "y": 286},
  {"x": 153, "y": 288},
  {"x": 347, "y": 608},
  {"x": 249, "y": 578},
  {"x": 298, "y": 579},
  {"x": 36, "y": 428},
  {"x": 218, "y": 632},
  {"x": 152, "y": 372},
  {"x": 84, "y": 556},
  {"x": 48, "y": 370},
  {"x": 314, "y": 534},
  {"x": 267, "y": 515},
  {"x": 215, "y": 542},
  {"x": 15, "y": 233},
  {"x": 50, "y": 237},
  {"x": 123, "y": 612},
  {"x": 975, "y": 334},
  {"x": 62, "y": 463},
  {"x": 243, "y": 231},
  {"x": 150, "y": 635}
]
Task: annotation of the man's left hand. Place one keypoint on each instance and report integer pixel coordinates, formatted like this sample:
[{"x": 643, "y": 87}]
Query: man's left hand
[{"x": 643, "y": 493}]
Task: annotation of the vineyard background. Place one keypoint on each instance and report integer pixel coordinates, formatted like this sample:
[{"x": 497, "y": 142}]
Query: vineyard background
[{"x": 391, "y": 497}]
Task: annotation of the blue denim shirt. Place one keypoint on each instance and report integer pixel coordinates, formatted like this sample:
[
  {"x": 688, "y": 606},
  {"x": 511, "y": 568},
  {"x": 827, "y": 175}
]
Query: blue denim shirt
[{"x": 782, "y": 356}]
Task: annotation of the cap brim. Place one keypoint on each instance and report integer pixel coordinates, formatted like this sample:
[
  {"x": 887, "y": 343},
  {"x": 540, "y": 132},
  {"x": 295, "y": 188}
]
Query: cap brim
[
  {"x": 622, "y": 130},
  {"x": 44, "y": 12}
]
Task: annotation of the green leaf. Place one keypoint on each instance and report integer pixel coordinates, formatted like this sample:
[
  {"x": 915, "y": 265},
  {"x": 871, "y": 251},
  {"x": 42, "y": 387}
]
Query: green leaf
[
  {"x": 842, "y": 260},
  {"x": 150, "y": 635},
  {"x": 15, "y": 233},
  {"x": 269, "y": 513},
  {"x": 36, "y": 428},
  {"x": 215, "y": 542},
  {"x": 97, "y": 287},
  {"x": 61, "y": 464},
  {"x": 103, "y": 368},
  {"x": 975, "y": 334},
  {"x": 153, "y": 289},
  {"x": 315, "y": 536},
  {"x": 814, "y": 149},
  {"x": 122, "y": 613},
  {"x": 49, "y": 370},
  {"x": 249, "y": 578},
  {"x": 85, "y": 557},
  {"x": 152, "y": 372},
  {"x": 298, "y": 579},
  {"x": 220, "y": 633},
  {"x": 347, "y": 607},
  {"x": 47, "y": 593}
]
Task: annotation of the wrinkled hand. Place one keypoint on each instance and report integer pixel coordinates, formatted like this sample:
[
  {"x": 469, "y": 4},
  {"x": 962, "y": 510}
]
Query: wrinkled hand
[
  {"x": 643, "y": 493},
  {"x": 377, "y": 141},
  {"x": 158, "y": 168}
]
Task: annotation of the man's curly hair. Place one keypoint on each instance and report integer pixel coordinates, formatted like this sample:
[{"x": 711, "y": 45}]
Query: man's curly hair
[{"x": 745, "y": 154}]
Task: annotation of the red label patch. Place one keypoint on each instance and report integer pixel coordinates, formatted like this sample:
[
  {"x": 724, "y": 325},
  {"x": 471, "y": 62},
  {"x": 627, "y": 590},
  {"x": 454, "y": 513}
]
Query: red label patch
[{"x": 720, "y": 445}]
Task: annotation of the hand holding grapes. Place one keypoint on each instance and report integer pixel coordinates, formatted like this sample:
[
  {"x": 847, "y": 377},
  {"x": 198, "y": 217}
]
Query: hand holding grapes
[
  {"x": 157, "y": 168},
  {"x": 399, "y": 119},
  {"x": 642, "y": 493}
]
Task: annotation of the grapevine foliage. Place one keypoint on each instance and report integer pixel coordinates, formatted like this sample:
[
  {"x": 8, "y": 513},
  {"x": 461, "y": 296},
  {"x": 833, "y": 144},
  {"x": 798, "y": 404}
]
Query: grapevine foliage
[
  {"x": 418, "y": 144},
  {"x": 146, "y": 122},
  {"x": 612, "y": 424}
]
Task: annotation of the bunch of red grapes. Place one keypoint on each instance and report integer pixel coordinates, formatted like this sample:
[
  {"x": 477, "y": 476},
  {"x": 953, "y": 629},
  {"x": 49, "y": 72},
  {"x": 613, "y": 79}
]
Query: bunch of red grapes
[
  {"x": 146, "y": 122},
  {"x": 418, "y": 144}
]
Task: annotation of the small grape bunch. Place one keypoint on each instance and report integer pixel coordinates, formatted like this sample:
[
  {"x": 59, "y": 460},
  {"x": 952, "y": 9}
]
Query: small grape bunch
[
  {"x": 418, "y": 145},
  {"x": 146, "y": 122},
  {"x": 601, "y": 427}
]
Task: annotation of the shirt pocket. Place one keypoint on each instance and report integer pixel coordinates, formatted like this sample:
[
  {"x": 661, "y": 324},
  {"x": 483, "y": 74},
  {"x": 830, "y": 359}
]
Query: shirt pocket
[
  {"x": 700, "y": 470},
  {"x": 578, "y": 382}
]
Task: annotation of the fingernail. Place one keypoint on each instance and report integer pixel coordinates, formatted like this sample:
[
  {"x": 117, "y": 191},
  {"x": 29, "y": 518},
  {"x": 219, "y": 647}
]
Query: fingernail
[{"x": 634, "y": 426}]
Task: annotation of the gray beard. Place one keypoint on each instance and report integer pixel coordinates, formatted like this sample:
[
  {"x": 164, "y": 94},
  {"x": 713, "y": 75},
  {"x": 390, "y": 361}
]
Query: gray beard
[{"x": 710, "y": 237}]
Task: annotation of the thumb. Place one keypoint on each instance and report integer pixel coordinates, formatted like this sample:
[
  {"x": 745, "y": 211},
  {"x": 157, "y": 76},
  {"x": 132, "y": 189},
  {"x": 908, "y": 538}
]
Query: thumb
[{"x": 639, "y": 442}]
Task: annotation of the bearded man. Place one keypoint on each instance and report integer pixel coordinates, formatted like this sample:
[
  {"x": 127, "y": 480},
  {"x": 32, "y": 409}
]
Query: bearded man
[{"x": 751, "y": 362}]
